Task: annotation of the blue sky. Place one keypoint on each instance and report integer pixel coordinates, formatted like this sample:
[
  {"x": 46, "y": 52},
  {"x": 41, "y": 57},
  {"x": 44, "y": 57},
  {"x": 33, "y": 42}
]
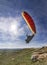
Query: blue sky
[{"x": 13, "y": 28}]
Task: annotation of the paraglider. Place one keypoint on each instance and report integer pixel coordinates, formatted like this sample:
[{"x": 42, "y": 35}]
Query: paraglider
[{"x": 28, "y": 19}]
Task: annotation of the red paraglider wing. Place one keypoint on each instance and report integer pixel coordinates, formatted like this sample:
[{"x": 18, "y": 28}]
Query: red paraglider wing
[{"x": 28, "y": 19}]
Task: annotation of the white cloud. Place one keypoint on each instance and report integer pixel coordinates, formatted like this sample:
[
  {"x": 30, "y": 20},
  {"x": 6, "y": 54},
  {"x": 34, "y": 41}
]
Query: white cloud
[
  {"x": 5, "y": 24},
  {"x": 21, "y": 44},
  {"x": 5, "y": 28}
]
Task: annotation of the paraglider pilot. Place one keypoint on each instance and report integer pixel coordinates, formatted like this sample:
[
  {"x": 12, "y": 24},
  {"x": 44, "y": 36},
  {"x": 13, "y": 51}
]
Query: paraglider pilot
[{"x": 29, "y": 38}]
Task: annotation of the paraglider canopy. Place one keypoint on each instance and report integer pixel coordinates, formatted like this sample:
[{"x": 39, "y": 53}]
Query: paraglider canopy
[{"x": 28, "y": 19}]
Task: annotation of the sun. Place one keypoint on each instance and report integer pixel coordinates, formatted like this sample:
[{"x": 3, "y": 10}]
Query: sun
[{"x": 13, "y": 28}]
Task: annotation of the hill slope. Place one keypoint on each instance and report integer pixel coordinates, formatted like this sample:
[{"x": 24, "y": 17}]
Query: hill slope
[{"x": 21, "y": 57}]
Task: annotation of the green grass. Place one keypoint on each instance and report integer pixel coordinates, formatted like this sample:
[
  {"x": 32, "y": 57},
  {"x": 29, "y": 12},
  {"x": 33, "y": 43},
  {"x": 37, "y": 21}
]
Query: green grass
[{"x": 21, "y": 57}]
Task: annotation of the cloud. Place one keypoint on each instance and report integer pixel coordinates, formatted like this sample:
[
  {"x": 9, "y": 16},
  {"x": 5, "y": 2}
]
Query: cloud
[
  {"x": 20, "y": 44},
  {"x": 6, "y": 35}
]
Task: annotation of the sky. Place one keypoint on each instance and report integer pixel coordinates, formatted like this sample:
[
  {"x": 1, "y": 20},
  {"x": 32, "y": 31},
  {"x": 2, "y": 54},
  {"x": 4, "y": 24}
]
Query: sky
[{"x": 13, "y": 28}]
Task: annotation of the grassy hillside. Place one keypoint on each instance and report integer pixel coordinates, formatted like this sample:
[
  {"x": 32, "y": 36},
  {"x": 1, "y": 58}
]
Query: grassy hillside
[{"x": 21, "y": 57}]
